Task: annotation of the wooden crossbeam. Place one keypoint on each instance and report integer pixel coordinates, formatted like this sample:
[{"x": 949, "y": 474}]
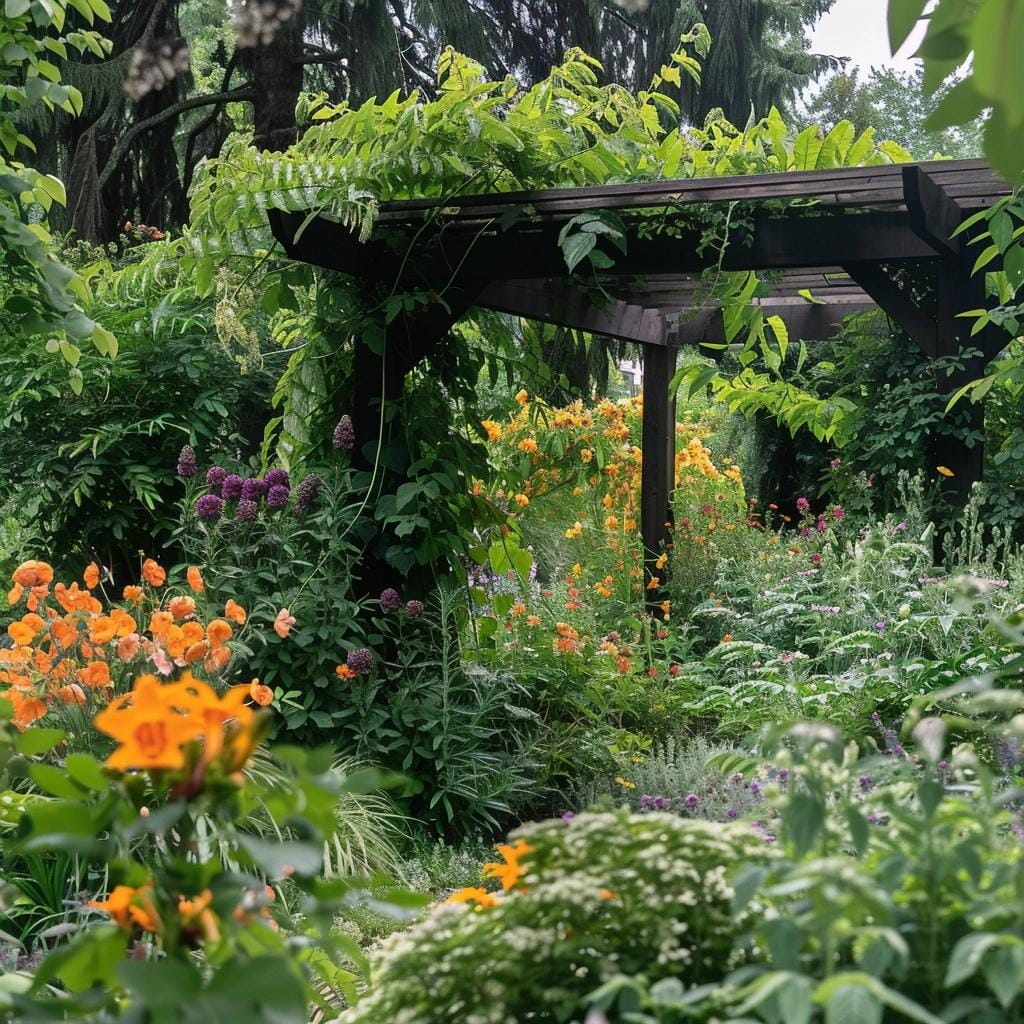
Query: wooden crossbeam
[
  {"x": 552, "y": 302},
  {"x": 896, "y": 303},
  {"x": 934, "y": 214}
]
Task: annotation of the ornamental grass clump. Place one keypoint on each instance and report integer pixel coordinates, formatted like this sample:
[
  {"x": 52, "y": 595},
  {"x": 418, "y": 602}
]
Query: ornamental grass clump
[{"x": 580, "y": 902}]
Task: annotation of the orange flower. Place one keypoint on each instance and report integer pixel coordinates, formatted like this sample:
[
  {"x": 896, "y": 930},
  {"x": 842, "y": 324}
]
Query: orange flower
[
  {"x": 149, "y": 730},
  {"x": 481, "y": 897},
  {"x": 72, "y": 693},
  {"x": 945, "y": 471},
  {"x": 209, "y": 712},
  {"x": 14, "y": 595},
  {"x": 182, "y": 606},
  {"x": 33, "y": 574},
  {"x": 234, "y": 611},
  {"x": 128, "y": 906},
  {"x": 196, "y": 915},
  {"x": 218, "y": 632},
  {"x": 217, "y": 660},
  {"x": 124, "y": 624},
  {"x": 95, "y": 675},
  {"x": 128, "y": 647},
  {"x": 102, "y": 629},
  {"x": 91, "y": 576},
  {"x": 195, "y": 579},
  {"x": 727, "y": 639},
  {"x": 261, "y": 694},
  {"x": 510, "y": 871},
  {"x": 523, "y": 396},
  {"x": 344, "y": 672},
  {"x": 132, "y": 593},
  {"x": 153, "y": 573},
  {"x": 26, "y": 629},
  {"x": 283, "y": 623},
  {"x": 196, "y": 652},
  {"x": 28, "y": 708},
  {"x": 533, "y": 620},
  {"x": 160, "y": 623}
]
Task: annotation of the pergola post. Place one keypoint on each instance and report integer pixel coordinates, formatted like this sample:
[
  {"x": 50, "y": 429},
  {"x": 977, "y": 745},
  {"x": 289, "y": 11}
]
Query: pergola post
[{"x": 659, "y": 446}]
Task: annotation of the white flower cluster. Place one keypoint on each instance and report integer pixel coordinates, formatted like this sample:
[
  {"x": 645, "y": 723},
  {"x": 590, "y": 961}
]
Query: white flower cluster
[
  {"x": 153, "y": 65},
  {"x": 256, "y": 22}
]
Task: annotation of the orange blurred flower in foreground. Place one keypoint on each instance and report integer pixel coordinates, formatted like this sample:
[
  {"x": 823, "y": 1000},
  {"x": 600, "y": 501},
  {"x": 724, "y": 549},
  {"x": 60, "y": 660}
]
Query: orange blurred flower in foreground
[
  {"x": 128, "y": 906},
  {"x": 283, "y": 623},
  {"x": 154, "y": 573},
  {"x": 509, "y": 870},
  {"x": 481, "y": 897}
]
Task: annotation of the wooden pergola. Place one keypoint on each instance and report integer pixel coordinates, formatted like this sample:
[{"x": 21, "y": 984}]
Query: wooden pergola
[{"x": 856, "y": 238}]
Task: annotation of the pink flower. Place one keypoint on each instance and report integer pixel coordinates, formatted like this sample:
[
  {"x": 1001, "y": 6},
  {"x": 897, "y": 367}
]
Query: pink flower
[
  {"x": 837, "y": 512},
  {"x": 162, "y": 661},
  {"x": 283, "y": 623}
]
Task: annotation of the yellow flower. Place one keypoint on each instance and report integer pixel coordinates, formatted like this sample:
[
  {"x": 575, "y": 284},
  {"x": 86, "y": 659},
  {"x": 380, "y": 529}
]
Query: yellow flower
[
  {"x": 945, "y": 471},
  {"x": 528, "y": 444},
  {"x": 575, "y": 530},
  {"x": 611, "y": 523},
  {"x": 625, "y": 783},
  {"x": 522, "y": 397},
  {"x": 586, "y": 454},
  {"x": 577, "y": 569},
  {"x": 662, "y": 561},
  {"x": 521, "y": 500},
  {"x": 493, "y": 430}
]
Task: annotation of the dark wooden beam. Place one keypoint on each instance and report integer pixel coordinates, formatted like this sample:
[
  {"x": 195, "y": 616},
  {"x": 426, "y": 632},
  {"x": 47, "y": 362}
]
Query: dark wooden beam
[
  {"x": 806, "y": 322},
  {"x": 934, "y": 215},
  {"x": 659, "y": 460},
  {"x": 560, "y": 303},
  {"x": 895, "y": 302}
]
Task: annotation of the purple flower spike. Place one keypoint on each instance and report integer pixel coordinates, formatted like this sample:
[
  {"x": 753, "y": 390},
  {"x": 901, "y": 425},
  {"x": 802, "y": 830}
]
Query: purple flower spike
[
  {"x": 692, "y": 800},
  {"x": 231, "y": 488},
  {"x": 247, "y": 509},
  {"x": 277, "y": 497},
  {"x": 187, "y": 467},
  {"x": 306, "y": 493},
  {"x": 414, "y": 609},
  {"x": 209, "y": 507},
  {"x": 253, "y": 489},
  {"x": 277, "y": 478},
  {"x": 390, "y": 601},
  {"x": 215, "y": 475},
  {"x": 344, "y": 438}
]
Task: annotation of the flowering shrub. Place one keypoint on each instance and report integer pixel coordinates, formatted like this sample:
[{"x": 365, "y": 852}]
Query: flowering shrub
[{"x": 581, "y": 901}]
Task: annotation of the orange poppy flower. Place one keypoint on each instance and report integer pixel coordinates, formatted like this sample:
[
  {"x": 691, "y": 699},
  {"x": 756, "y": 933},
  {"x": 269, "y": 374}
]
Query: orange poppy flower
[
  {"x": 160, "y": 623},
  {"x": 26, "y": 629},
  {"x": 195, "y": 579},
  {"x": 132, "y": 593},
  {"x": 174, "y": 641},
  {"x": 14, "y": 595},
  {"x": 72, "y": 693},
  {"x": 261, "y": 694},
  {"x": 33, "y": 574},
  {"x": 102, "y": 629},
  {"x": 218, "y": 632},
  {"x": 283, "y": 623},
  {"x": 28, "y": 708},
  {"x": 217, "y": 660},
  {"x": 344, "y": 672},
  {"x": 123, "y": 622},
  {"x": 234, "y": 611},
  {"x": 128, "y": 646},
  {"x": 153, "y": 573},
  {"x": 95, "y": 675},
  {"x": 192, "y": 632},
  {"x": 91, "y": 576},
  {"x": 182, "y": 606},
  {"x": 196, "y": 652}
]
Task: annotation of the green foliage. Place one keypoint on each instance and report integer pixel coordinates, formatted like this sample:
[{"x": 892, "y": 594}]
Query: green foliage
[{"x": 42, "y": 295}]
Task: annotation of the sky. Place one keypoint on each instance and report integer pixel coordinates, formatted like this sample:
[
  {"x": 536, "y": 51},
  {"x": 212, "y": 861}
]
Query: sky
[{"x": 857, "y": 29}]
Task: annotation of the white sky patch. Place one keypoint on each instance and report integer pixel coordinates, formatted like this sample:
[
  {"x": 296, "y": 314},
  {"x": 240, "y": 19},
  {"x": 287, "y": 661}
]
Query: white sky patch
[{"x": 857, "y": 29}]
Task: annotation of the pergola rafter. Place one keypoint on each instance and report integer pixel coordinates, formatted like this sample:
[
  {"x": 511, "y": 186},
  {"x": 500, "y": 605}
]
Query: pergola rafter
[{"x": 846, "y": 236}]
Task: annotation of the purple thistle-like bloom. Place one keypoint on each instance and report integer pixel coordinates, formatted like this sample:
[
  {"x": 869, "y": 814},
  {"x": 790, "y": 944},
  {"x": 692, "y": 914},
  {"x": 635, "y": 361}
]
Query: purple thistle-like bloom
[
  {"x": 344, "y": 437},
  {"x": 880, "y": 626},
  {"x": 692, "y": 800},
  {"x": 247, "y": 509},
  {"x": 660, "y": 803},
  {"x": 568, "y": 816},
  {"x": 645, "y": 802},
  {"x": 215, "y": 475},
  {"x": 838, "y": 513},
  {"x": 730, "y": 813},
  {"x": 254, "y": 488},
  {"x": 209, "y": 507},
  {"x": 360, "y": 660},
  {"x": 277, "y": 478},
  {"x": 803, "y": 505},
  {"x": 306, "y": 492},
  {"x": 231, "y": 488},
  {"x": 414, "y": 609},
  {"x": 187, "y": 467},
  {"x": 390, "y": 601},
  {"x": 278, "y": 495}
]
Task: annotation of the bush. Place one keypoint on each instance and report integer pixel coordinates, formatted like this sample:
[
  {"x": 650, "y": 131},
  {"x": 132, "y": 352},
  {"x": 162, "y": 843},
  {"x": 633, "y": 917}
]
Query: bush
[{"x": 585, "y": 900}]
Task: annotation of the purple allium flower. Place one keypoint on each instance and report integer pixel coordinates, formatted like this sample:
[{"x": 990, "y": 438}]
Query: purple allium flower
[
  {"x": 900, "y": 527},
  {"x": 736, "y": 778},
  {"x": 645, "y": 801},
  {"x": 783, "y": 776},
  {"x": 413, "y": 609},
  {"x": 360, "y": 660},
  {"x": 866, "y": 783},
  {"x": 803, "y": 506},
  {"x": 805, "y": 532},
  {"x": 816, "y": 558},
  {"x": 277, "y": 478},
  {"x": 215, "y": 475},
  {"x": 880, "y": 626},
  {"x": 692, "y": 800},
  {"x": 838, "y": 513},
  {"x": 344, "y": 435},
  {"x": 943, "y": 765},
  {"x": 821, "y": 525},
  {"x": 247, "y": 509},
  {"x": 755, "y": 787},
  {"x": 231, "y": 488},
  {"x": 209, "y": 507},
  {"x": 875, "y": 716},
  {"x": 730, "y": 813},
  {"x": 390, "y": 601},
  {"x": 187, "y": 467},
  {"x": 306, "y": 493},
  {"x": 254, "y": 488},
  {"x": 660, "y": 803},
  {"x": 568, "y": 816},
  {"x": 278, "y": 495}
]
